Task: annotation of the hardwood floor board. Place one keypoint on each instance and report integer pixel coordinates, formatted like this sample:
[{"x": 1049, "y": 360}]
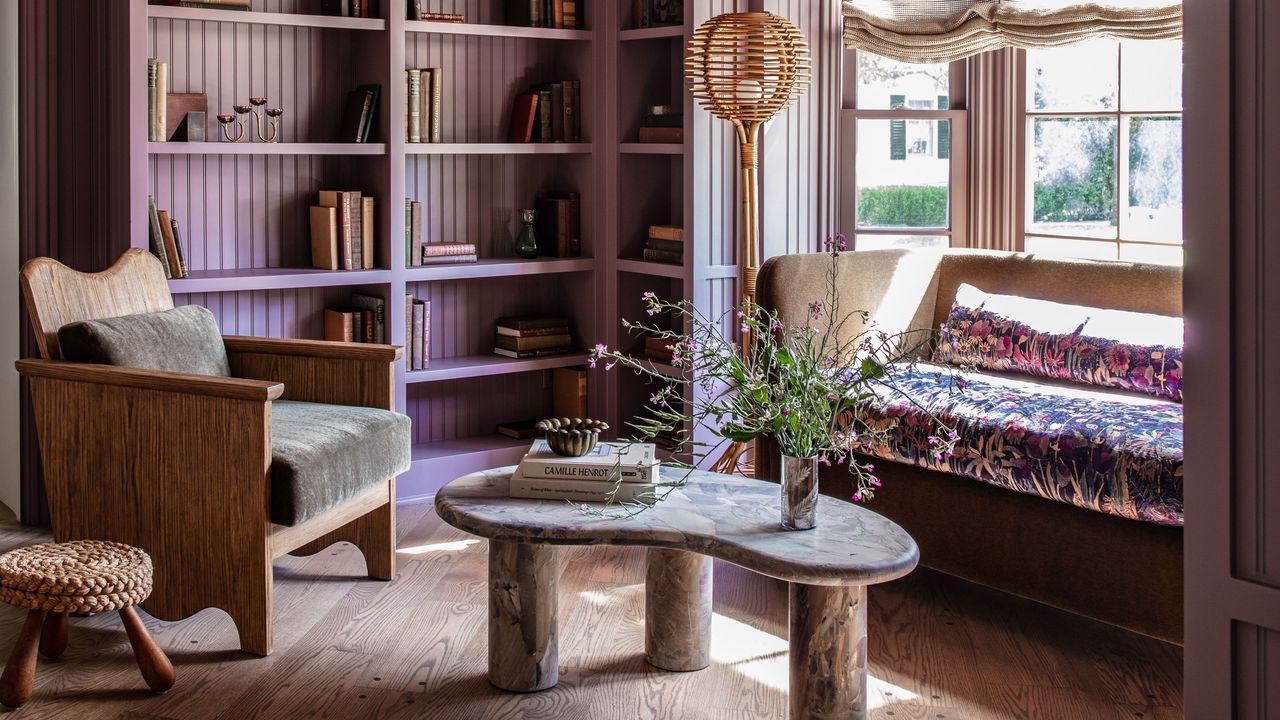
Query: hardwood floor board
[{"x": 416, "y": 649}]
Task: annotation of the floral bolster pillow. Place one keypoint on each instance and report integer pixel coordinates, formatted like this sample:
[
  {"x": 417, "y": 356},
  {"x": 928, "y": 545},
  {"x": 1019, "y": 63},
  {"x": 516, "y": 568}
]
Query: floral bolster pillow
[{"x": 1095, "y": 346}]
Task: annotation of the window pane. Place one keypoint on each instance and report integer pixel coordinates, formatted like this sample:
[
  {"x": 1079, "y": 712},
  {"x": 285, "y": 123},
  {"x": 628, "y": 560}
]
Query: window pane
[
  {"x": 1159, "y": 254},
  {"x": 1074, "y": 176},
  {"x": 863, "y": 241},
  {"x": 1080, "y": 77},
  {"x": 1155, "y": 179},
  {"x": 904, "y": 172},
  {"x": 1151, "y": 75},
  {"x": 1061, "y": 247},
  {"x": 884, "y": 84}
]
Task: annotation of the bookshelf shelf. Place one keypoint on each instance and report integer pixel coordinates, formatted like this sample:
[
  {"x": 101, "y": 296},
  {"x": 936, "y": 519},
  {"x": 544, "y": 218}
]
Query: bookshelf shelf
[
  {"x": 488, "y": 365},
  {"x": 206, "y": 281},
  {"x": 499, "y": 267},
  {"x": 635, "y": 148},
  {"x": 645, "y": 267},
  {"x": 264, "y": 18},
  {"x": 444, "y": 460},
  {"x": 251, "y": 148},
  {"x": 497, "y": 148},
  {"x": 500, "y": 31},
  {"x": 663, "y": 32}
]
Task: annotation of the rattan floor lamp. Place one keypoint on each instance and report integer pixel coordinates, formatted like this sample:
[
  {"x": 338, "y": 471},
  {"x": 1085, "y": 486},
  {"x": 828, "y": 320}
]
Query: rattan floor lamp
[{"x": 746, "y": 68}]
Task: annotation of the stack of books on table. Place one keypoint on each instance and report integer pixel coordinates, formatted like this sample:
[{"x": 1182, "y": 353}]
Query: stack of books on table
[
  {"x": 662, "y": 124},
  {"x": 665, "y": 244},
  {"x": 530, "y": 336},
  {"x": 612, "y": 471},
  {"x": 342, "y": 229}
]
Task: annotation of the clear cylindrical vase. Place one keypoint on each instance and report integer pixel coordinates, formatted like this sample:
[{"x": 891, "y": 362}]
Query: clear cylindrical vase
[{"x": 799, "y": 492}]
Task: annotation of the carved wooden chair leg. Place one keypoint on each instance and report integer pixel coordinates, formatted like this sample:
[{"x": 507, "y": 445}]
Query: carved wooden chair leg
[
  {"x": 53, "y": 638},
  {"x": 154, "y": 664},
  {"x": 20, "y": 671}
]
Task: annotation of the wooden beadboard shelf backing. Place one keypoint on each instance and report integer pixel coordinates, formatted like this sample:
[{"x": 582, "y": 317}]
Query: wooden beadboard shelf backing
[{"x": 243, "y": 207}]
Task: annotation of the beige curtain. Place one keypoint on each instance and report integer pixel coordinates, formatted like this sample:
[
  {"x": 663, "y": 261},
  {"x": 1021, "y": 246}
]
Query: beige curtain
[
  {"x": 947, "y": 30},
  {"x": 995, "y": 128}
]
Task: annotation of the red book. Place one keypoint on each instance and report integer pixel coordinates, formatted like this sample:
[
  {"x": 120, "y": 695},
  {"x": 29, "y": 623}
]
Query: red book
[{"x": 523, "y": 111}]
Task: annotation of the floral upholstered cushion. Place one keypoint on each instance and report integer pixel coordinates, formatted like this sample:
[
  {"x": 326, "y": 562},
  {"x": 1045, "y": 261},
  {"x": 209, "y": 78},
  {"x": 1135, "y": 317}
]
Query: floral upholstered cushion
[
  {"x": 1113, "y": 452},
  {"x": 1131, "y": 351}
]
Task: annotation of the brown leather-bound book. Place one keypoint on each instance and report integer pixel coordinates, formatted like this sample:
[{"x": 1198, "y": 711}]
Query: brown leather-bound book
[
  {"x": 341, "y": 201},
  {"x": 366, "y": 232},
  {"x": 324, "y": 237},
  {"x": 446, "y": 249},
  {"x": 569, "y": 392},
  {"x": 170, "y": 247},
  {"x": 437, "y": 99},
  {"x": 182, "y": 251},
  {"x": 536, "y": 342},
  {"x": 338, "y": 325},
  {"x": 523, "y": 112},
  {"x": 661, "y": 135},
  {"x": 666, "y": 232}
]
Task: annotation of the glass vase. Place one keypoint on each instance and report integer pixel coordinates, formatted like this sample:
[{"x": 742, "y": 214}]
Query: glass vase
[
  {"x": 799, "y": 479},
  {"x": 526, "y": 242}
]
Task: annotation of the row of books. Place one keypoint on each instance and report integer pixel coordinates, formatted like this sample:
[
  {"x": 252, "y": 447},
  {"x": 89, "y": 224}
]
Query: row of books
[
  {"x": 530, "y": 336},
  {"x": 363, "y": 319},
  {"x": 415, "y": 12},
  {"x": 423, "y": 90},
  {"x": 568, "y": 399},
  {"x": 418, "y": 253},
  {"x": 350, "y": 8},
  {"x": 166, "y": 241},
  {"x": 665, "y": 244},
  {"x": 342, "y": 231},
  {"x": 612, "y": 471},
  {"x": 558, "y": 14},
  {"x": 206, "y": 4},
  {"x": 558, "y": 224},
  {"x": 417, "y": 333},
  {"x": 662, "y": 124},
  {"x": 547, "y": 113},
  {"x": 157, "y": 100},
  {"x": 652, "y": 13},
  {"x": 359, "y": 114}
]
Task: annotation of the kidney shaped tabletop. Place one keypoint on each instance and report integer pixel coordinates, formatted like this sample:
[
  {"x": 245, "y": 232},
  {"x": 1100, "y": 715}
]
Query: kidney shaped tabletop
[{"x": 734, "y": 519}]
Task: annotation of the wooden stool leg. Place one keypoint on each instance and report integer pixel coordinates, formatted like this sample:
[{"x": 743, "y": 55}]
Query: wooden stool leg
[
  {"x": 152, "y": 661},
  {"x": 53, "y": 639},
  {"x": 20, "y": 671}
]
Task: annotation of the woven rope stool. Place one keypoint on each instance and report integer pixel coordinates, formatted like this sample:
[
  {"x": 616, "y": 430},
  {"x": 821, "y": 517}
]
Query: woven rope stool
[{"x": 85, "y": 576}]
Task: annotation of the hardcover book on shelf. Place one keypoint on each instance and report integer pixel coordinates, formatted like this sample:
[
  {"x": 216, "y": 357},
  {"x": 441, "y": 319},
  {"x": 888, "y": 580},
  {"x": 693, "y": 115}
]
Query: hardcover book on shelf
[
  {"x": 601, "y": 491},
  {"x": 420, "y": 329},
  {"x": 532, "y": 336},
  {"x": 558, "y": 225},
  {"x": 178, "y": 245},
  {"x": 368, "y": 207},
  {"x": 156, "y": 235},
  {"x": 416, "y": 12},
  {"x": 349, "y": 238},
  {"x": 324, "y": 238},
  {"x": 413, "y": 105},
  {"x": 519, "y": 429},
  {"x": 339, "y": 325},
  {"x": 350, "y": 8},
  {"x": 358, "y": 114},
  {"x": 528, "y": 354},
  {"x": 632, "y": 462},
  {"x": 666, "y": 135},
  {"x": 448, "y": 249},
  {"x": 523, "y": 113},
  {"x": 462, "y": 259},
  {"x": 377, "y": 307},
  {"x": 170, "y": 247},
  {"x": 659, "y": 349},
  {"x": 436, "y": 132},
  {"x": 666, "y": 232},
  {"x": 569, "y": 392},
  {"x": 157, "y": 99},
  {"x": 533, "y": 342}
]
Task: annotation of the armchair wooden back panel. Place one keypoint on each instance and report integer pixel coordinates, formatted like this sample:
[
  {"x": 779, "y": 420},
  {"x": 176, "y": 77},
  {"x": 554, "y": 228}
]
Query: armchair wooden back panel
[{"x": 56, "y": 295}]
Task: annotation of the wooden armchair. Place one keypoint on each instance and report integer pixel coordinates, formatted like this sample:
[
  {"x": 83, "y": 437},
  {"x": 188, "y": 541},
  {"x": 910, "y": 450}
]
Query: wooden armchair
[{"x": 180, "y": 465}]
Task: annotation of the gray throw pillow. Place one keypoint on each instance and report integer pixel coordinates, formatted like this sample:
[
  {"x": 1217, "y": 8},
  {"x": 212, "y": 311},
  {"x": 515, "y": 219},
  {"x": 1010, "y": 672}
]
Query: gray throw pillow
[{"x": 182, "y": 340}]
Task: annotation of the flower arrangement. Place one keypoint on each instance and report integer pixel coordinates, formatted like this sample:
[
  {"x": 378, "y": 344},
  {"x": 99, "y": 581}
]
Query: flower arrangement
[{"x": 801, "y": 385}]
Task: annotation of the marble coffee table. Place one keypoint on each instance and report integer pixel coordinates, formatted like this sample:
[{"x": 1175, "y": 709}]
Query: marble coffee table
[{"x": 715, "y": 516}]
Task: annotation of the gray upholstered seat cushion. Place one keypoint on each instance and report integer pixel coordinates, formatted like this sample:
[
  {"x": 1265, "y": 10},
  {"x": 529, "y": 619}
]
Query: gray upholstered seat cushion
[
  {"x": 182, "y": 340},
  {"x": 322, "y": 455}
]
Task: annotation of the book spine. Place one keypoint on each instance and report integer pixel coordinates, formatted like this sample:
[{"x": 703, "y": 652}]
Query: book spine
[
  {"x": 415, "y": 223},
  {"x": 437, "y": 80},
  {"x": 663, "y": 256},
  {"x": 666, "y": 232},
  {"x": 534, "y": 489},
  {"x": 569, "y": 111},
  {"x": 553, "y": 470},
  {"x": 564, "y": 233},
  {"x": 162, "y": 100},
  {"x": 367, "y": 209},
  {"x": 449, "y": 259},
  {"x": 544, "y": 116},
  {"x": 426, "y": 334},
  {"x": 414, "y": 105},
  {"x": 675, "y": 246},
  {"x": 182, "y": 251},
  {"x": 577, "y": 111},
  {"x": 533, "y": 332},
  {"x": 557, "y": 112},
  {"x": 170, "y": 247},
  {"x": 157, "y": 236},
  {"x": 408, "y": 331},
  {"x": 344, "y": 229},
  {"x": 419, "y": 319},
  {"x": 535, "y": 13},
  {"x": 151, "y": 99},
  {"x": 357, "y": 231},
  {"x": 408, "y": 232},
  {"x": 575, "y": 224},
  {"x": 444, "y": 249}
]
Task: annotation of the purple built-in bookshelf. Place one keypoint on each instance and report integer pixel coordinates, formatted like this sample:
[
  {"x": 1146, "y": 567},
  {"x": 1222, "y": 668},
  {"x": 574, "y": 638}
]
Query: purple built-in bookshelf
[{"x": 244, "y": 206}]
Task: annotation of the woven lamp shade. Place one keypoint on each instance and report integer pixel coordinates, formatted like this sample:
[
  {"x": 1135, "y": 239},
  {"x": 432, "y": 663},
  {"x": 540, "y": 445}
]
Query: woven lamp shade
[{"x": 747, "y": 66}]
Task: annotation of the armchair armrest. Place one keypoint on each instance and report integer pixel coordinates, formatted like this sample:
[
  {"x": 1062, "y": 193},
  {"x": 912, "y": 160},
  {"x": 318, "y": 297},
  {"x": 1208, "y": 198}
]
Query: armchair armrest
[
  {"x": 206, "y": 385},
  {"x": 339, "y": 373}
]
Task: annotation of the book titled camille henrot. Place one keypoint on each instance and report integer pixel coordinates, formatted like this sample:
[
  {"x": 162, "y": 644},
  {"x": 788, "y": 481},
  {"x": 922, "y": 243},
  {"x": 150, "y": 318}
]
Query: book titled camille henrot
[{"x": 633, "y": 462}]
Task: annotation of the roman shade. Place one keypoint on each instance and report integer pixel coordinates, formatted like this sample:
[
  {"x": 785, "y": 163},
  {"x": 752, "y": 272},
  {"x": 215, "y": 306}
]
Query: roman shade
[{"x": 947, "y": 30}]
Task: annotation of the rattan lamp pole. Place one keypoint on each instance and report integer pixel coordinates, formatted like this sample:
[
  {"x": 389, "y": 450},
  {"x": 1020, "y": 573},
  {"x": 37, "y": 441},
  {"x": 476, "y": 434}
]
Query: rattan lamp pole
[{"x": 746, "y": 68}]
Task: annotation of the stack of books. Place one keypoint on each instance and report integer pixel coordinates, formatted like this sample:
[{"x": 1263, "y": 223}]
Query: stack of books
[
  {"x": 417, "y": 13},
  {"x": 659, "y": 349},
  {"x": 558, "y": 14},
  {"x": 558, "y": 224},
  {"x": 423, "y": 92},
  {"x": 359, "y": 114},
  {"x": 418, "y": 253},
  {"x": 363, "y": 320},
  {"x": 662, "y": 124},
  {"x": 547, "y": 113},
  {"x": 530, "y": 336},
  {"x": 348, "y": 8},
  {"x": 652, "y": 13},
  {"x": 166, "y": 241},
  {"x": 665, "y": 244},
  {"x": 417, "y": 333},
  {"x": 611, "y": 472},
  {"x": 342, "y": 230}
]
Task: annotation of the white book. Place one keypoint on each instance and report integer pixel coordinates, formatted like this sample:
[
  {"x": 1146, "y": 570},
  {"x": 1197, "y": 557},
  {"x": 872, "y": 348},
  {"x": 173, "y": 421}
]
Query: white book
[
  {"x": 636, "y": 462},
  {"x": 580, "y": 490}
]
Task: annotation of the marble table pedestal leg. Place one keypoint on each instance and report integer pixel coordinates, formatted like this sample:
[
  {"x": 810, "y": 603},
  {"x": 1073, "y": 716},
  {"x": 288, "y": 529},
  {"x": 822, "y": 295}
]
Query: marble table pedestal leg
[
  {"x": 677, "y": 610},
  {"x": 523, "y": 640},
  {"x": 828, "y": 652}
]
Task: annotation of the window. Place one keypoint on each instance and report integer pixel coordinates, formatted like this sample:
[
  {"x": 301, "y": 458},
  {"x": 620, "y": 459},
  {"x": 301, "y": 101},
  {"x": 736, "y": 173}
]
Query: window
[
  {"x": 899, "y": 136},
  {"x": 1104, "y": 150}
]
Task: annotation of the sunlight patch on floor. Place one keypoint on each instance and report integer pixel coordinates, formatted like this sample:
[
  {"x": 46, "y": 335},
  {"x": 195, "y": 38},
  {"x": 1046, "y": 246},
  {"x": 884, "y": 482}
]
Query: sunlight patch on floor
[{"x": 452, "y": 546}]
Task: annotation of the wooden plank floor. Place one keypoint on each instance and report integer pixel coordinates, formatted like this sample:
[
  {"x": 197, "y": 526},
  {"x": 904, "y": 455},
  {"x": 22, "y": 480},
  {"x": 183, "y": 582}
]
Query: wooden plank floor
[{"x": 348, "y": 647}]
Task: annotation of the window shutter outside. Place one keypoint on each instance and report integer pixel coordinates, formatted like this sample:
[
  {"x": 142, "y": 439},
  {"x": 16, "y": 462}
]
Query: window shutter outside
[{"x": 897, "y": 130}]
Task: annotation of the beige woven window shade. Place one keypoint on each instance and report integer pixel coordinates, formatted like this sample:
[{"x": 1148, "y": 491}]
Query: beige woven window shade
[{"x": 947, "y": 30}]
